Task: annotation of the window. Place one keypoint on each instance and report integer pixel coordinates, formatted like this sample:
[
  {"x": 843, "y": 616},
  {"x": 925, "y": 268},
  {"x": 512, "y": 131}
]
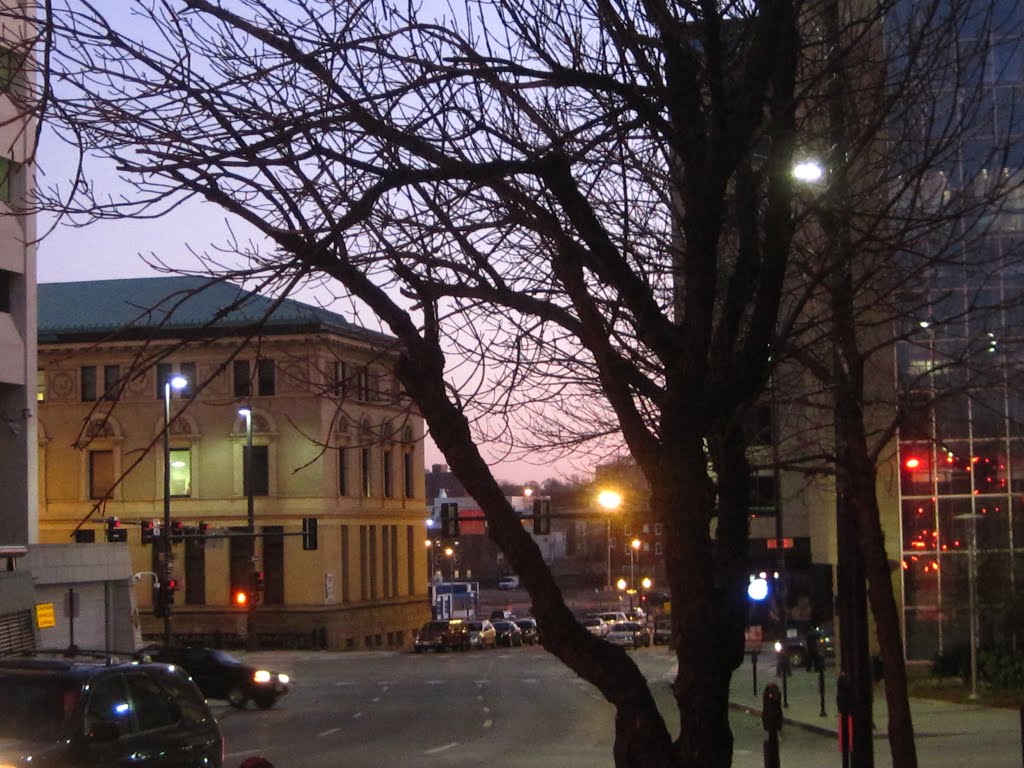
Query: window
[
  {"x": 111, "y": 382},
  {"x": 364, "y": 570},
  {"x": 273, "y": 565},
  {"x": 188, "y": 370},
  {"x": 372, "y": 538},
  {"x": 181, "y": 472},
  {"x": 10, "y": 67},
  {"x": 7, "y": 170},
  {"x": 265, "y": 377},
  {"x": 101, "y": 474},
  {"x": 242, "y": 381},
  {"x": 341, "y": 378},
  {"x": 195, "y": 571},
  {"x": 385, "y": 533},
  {"x": 260, "y": 470},
  {"x": 154, "y": 708},
  {"x": 389, "y": 491},
  {"x": 40, "y": 385},
  {"x": 108, "y": 706},
  {"x": 762, "y": 494},
  {"x": 343, "y": 488},
  {"x": 364, "y": 473},
  {"x": 410, "y": 558},
  {"x": 346, "y": 565},
  {"x": 163, "y": 375},
  {"x": 363, "y": 385},
  {"x": 87, "y": 379},
  {"x": 407, "y": 475},
  {"x": 6, "y": 281},
  {"x": 241, "y": 551}
]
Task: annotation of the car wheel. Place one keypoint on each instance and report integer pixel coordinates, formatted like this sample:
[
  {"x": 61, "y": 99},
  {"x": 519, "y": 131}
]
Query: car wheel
[
  {"x": 237, "y": 698},
  {"x": 266, "y": 701}
]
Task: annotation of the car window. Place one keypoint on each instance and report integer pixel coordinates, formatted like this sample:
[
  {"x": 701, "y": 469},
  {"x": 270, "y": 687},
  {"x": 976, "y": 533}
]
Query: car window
[
  {"x": 34, "y": 708},
  {"x": 108, "y": 706},
  {"x": 187, "y": 697},
  {"x": 475, "y": 626},
  {"x": 154, "y": 706}
]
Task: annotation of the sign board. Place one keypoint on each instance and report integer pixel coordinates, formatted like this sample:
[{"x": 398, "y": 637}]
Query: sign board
[
  {"x": 774, "y": 543},
  {"x": 753, "y": 638},
  {"x": 45, "y": 615},
  {"x": 328, "y": 587}
]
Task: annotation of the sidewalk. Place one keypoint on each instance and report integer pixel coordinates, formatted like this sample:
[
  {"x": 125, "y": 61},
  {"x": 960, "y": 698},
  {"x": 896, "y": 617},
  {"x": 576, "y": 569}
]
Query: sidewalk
[{"x": 932, "y": 718}]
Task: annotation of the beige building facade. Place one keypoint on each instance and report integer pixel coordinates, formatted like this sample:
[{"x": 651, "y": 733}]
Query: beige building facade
[{"x": 335, "y": 446}]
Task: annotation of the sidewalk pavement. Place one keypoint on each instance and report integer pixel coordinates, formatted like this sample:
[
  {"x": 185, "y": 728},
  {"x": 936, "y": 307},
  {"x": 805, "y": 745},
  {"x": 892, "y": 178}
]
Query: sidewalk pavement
[{"x": 932, "y": 718}]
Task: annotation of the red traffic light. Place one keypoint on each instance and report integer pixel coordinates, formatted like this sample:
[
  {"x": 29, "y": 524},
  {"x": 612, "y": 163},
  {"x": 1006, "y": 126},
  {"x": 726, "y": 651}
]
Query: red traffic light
[{"x": 241, "y": 598}]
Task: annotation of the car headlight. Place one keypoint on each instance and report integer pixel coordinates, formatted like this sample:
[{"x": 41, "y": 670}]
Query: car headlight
[
  {"x": 261, "y": 676},
  {"x": 283, "y": 678}
]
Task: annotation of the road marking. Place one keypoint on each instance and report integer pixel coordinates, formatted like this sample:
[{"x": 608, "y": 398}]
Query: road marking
[
  {"x": 488, "y": 723},
  {"x": 345, "y": 682},
  {"x": 482, "y": 682},
  {"x": 375, "y": 699},
  {"x": 357, "y": 715},
  {"x": 328, "y": 732},
  {"x": 487, "y": 709},
  {"x": 434, "y": 682},
  {"x": 530, "y": 680},
  {"x": 479, "y": 698},
  {"x": 442, "y": 748}
]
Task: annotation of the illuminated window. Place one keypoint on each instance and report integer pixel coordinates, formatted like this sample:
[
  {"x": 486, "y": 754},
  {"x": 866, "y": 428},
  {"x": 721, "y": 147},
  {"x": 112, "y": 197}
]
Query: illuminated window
[{"x": 181, "y": 472}]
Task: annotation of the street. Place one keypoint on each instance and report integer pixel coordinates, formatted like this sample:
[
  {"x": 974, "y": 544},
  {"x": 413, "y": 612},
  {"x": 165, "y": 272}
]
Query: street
[{"x": 510, "y": 707}]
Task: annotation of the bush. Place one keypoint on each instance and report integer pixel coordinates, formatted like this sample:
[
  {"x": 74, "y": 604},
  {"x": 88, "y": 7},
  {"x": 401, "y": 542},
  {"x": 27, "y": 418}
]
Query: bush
[{"x": 1001, "y": 669}]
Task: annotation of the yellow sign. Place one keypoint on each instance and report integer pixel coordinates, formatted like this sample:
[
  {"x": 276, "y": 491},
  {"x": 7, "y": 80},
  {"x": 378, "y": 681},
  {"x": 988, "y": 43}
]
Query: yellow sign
[{"x": 45, "y": 616}]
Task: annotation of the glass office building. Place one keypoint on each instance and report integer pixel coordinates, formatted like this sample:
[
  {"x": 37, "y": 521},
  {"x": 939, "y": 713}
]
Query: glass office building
[{"x": 961, "y": 447}]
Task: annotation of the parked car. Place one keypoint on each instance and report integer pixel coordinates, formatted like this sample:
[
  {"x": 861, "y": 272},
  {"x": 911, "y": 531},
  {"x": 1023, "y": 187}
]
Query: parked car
[
  {"x": 630, "y": 634},
  {"x": 501, "y": 614},
  {"x": 530, "y": 630},
  {"x": 663, "y": 630},
  {"x": 508, "y": 582},
  {"x": 221, "y": 675},
  {"x": 611, "y": 616},
  {"x": 482, "y": 634},
  {"x": 442, "y": 635},
  {"x": 508, "y": 632},
  {"x": 596, "y": 626},
  {"x": 90, "y": 713}
]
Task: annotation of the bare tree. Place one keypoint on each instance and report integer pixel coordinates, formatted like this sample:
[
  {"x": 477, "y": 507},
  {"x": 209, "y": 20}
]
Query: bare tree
[{"x": 588, "y": 203}]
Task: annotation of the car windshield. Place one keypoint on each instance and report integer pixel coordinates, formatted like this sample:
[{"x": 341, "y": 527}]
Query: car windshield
[
  {"x": 475, "y": 626},
  {"x": 592, "y": 622},
  {"x": 35, "y": 709},
  {"x": 626, "y": 626}
]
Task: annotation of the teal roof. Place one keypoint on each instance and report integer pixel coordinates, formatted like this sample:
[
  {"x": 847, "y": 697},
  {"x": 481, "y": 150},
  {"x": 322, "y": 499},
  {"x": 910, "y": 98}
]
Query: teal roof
[{"x": 174, "y": 307}]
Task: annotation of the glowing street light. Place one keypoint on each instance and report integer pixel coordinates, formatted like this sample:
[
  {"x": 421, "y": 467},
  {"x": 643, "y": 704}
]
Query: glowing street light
[
  {"x": 179, "y": 383},
  {"x": 610, "y": 501},
  {"x": 808, "y": 171}
]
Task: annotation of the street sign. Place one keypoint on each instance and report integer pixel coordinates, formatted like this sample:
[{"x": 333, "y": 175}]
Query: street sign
[{"x": 45, "y": 616}]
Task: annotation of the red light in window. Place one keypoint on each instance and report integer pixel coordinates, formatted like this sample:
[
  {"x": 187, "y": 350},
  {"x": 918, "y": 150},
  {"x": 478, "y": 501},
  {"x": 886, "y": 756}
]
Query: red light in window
[{"x": 912, "y": 463}]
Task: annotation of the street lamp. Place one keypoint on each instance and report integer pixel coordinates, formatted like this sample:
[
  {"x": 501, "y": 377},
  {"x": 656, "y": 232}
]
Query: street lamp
[
  {"x": 634, "y": 547},
  {"x": 175, "y": 382},
  {"x": 610, "y": 501}
]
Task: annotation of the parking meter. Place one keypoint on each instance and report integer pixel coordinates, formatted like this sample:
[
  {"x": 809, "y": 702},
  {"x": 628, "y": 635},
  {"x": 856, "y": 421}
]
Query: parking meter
[{"x": 771, "y": 708}]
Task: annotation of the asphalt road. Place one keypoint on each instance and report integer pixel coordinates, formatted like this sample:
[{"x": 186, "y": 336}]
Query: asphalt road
[{"x": 515, "y": 708}]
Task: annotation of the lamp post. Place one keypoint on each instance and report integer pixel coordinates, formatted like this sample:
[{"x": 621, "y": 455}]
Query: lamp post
[
  {"x": 175, "y": 382},
  {"x": 634, "y": 548},
  {"x": 250, "y": 523},
  {"x": 610, "y": 501}
]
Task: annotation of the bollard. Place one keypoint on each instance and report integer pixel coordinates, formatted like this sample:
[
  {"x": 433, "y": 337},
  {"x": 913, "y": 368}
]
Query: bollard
[
  {"x": 771, "y": 719},
  {"x": 753, "y": 668},
  {"x": 782, "y": 670},
  {"x": 819, "y": 665}
]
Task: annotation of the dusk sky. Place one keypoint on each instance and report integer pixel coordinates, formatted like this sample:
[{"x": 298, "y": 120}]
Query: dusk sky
[{"x": 112, "y": 249}]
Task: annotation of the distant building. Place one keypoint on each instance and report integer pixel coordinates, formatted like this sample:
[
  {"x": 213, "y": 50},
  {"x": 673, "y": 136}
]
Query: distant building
[{"x": 333, "y": 440}]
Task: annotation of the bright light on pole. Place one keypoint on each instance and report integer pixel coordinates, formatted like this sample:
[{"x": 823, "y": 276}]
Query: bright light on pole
[
  {"x": 610, "y": 501},
  {"x": 179, "y": 383},
  {"x": 808, "y": 171}
]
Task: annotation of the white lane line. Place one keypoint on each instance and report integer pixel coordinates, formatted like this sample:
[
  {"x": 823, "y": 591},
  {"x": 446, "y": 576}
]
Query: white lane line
[
  {"x": 530, "y": 680},
  {"x": 344, "y": 682},
  {"x": 328, "y": 732},
  {"x": 357, "y": 715},
  {"x": 487, "y": 709},
  {"x": 442, "y": 748},
  {"x": 488, "y": 723},
  {"x": 434, "y": 682},
  {"x": 375, "y": 699}
]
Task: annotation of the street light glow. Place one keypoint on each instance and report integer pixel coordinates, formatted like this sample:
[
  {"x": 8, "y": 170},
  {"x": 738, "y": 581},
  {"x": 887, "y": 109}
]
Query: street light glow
[
  {"x": 808, "y": 171},
  {"x": 610, "y": 500},
  {"x": 635, "y": 543},
  {"x": 244, "y": 412},
  {"x": 621, "y": 584},
  {"x": 178, "y": 382}
]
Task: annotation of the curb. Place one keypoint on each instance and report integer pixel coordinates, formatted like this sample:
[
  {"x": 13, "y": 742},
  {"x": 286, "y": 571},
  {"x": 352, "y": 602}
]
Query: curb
[{"x": 820, "y": 730}]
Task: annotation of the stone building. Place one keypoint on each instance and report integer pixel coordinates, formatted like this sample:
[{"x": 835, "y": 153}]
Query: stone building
[{"x": 334, "y": 445}]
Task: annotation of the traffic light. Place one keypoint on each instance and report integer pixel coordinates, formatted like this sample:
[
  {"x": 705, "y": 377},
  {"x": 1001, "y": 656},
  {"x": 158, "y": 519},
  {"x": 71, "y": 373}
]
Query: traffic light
[
  {"x": 541, "y": 517},
  {"x": 115, "y": 533},
  {"x": 449, "y": 520},
  {"x": 259, "y": 584},
  {"x": 147, "y": 532},
  {"x": 241, "y": 598},
  {"x": 177, "y": 531},
  {"x": 163, "y": 598},
  {"x": 309, "y": 533}
]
